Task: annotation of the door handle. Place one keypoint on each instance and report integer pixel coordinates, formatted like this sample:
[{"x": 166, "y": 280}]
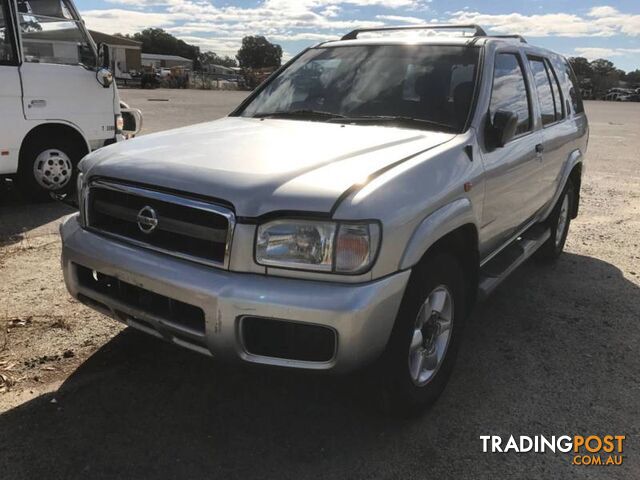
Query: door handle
[
  {"x": 539, "y": 148},
  {"x": 37, "y": 103}
]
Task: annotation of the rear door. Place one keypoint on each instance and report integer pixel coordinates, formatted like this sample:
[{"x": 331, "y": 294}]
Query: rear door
[
  {"x": 556, "y": 132},
  {"x": 11, "y": 117},
  {"x": 513, "y": 183}
]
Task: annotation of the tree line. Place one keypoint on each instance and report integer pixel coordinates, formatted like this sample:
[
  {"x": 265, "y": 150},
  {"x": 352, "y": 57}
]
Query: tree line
[
  {"x": 601, "y": 74},
  {"x": 255, "y": 52}
]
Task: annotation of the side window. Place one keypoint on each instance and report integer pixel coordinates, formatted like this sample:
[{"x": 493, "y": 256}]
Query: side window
[
  {"x": 7, "y": 52},
  {"x": 50, "y": 34},
  {"x": 557, "y": 92},
  {"x": 543, "y": 87},
  {"x": 574, "y": 91},
  {"x": 510, "y": 90}
]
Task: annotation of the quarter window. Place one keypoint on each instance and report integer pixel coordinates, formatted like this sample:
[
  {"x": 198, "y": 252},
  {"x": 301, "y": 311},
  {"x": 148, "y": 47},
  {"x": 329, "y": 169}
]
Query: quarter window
[
  {"x": 557, "y": 92},
  {"x": 7, "y": 52},
  {"x": 50, "y": 34},
  {"x": 574, "y": 91},
  {"x": 543, "y": 88},
  {"x": 510, "y": 90}
]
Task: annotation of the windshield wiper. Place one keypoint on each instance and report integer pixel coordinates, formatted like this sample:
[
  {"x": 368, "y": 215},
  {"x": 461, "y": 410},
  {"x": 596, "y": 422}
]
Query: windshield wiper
[
  {"x": 302, "y": 113},
  {"x": 430, "y": 124}
]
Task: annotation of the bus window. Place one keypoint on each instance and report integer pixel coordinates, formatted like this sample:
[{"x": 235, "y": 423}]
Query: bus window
[{"x": 50, "y": 34}]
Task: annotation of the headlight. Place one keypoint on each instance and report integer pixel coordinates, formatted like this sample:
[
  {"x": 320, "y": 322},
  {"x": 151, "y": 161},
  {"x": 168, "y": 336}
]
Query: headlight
[{"x": 319, "y": 246}]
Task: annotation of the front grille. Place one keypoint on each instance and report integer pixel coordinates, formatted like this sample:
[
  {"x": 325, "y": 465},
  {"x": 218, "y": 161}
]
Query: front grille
[
  {"x": 173, "y": 224},
  {"x": 168, "y": 309}
]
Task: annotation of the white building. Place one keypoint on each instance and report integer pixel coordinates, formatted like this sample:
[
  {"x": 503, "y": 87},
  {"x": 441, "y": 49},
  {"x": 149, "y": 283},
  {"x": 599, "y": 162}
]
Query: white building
[{"x": 156, "y": 60}]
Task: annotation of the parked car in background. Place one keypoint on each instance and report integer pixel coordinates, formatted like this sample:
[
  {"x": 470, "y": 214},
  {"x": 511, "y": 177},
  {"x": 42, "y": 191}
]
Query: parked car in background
[
  {"x": 57, "y": 103},
  {"x": 348, "y": 214},
  {"x": 254, "y": 77},
  {"x": 620, "y": 95}
]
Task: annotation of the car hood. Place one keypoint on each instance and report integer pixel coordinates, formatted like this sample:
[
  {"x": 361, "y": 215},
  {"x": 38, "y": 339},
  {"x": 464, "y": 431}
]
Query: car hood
[{"x": 261, "y": 166}]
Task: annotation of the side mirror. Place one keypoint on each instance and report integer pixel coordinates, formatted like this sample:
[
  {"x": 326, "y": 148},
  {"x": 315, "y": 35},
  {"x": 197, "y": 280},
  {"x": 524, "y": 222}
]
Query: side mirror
[
  {"x": 104, "y": 77},
  {"x": 131, "y": 121},
  {"x": 505, "y": 124}
]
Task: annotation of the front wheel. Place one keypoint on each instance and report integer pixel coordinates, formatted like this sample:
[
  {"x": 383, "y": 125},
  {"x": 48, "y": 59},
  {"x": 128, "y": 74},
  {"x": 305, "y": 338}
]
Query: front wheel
[
  {"x": 421, "y": 352},
  {"x": 48, "y": 166}
]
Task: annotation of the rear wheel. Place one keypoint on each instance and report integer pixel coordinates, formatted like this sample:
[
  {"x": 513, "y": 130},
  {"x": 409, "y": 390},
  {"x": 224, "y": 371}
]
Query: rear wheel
[
  {"x": 423, "y": 345},
  {"x": 558, "y": 223},
  {"x": 48, "y": 165}
]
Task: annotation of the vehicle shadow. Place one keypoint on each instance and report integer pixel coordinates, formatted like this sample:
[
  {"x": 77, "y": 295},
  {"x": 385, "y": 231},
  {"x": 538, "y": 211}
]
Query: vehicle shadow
[
  {"x": 20, "y": 217},
  {"x": 553, "y": 352}
]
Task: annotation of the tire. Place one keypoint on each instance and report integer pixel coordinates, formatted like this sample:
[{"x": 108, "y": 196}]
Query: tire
[
  {"x": 404, "y": 391},
  {"x": 48, "y": 165},
  {"x": 558, "y": 223}
]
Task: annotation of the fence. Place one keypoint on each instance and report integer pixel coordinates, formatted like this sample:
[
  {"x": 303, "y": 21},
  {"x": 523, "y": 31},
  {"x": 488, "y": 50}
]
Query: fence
[{"x": 213, "y": 81}]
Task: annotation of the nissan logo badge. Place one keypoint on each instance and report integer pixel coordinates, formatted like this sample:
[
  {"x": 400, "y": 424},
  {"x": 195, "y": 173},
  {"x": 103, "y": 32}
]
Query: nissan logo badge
[{"x": 147, "y": 219}]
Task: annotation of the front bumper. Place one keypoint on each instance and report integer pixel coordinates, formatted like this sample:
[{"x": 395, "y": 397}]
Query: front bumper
[{"x": 362, "y": 315}]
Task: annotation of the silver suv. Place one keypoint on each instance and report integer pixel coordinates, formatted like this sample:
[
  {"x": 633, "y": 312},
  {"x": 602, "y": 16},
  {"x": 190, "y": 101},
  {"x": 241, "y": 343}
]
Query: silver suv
[{"x": 348, "y": 213}]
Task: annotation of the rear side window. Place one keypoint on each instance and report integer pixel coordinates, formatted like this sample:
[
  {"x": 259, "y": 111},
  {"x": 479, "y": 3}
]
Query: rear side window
[
  {"x": 7, "y": 52},
  {"x": 557, "y": 92},
  {"x": 510, "y": 90},
  {"x": 543, "y": 88},
  {"x": 574, "y": 91}
]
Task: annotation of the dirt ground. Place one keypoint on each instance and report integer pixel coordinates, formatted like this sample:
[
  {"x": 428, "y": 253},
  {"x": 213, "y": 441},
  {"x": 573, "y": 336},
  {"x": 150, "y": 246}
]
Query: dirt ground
[{"x": 554, "y": 351}]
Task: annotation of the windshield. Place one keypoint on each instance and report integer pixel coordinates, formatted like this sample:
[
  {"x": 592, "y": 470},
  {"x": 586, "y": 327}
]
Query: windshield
[
  {"x": 432, "y": 85},
  {"x": 51, "y": 34}
]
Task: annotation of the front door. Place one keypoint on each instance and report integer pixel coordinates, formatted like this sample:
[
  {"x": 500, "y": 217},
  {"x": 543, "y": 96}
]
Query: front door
[
  {"x": 11, "y": 117},
  {"x": 512, "y": 186},
  {"x": 59, "y": 70}
]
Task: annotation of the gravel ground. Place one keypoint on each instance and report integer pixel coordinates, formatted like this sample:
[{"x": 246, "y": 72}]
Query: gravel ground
[{"x": 554, "y": 351}]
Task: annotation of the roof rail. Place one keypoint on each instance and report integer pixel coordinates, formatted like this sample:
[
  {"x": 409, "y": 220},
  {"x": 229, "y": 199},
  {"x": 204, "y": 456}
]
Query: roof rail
[
  {"x": 478, "y": 31},
  {"x": 518, "y": 37}
]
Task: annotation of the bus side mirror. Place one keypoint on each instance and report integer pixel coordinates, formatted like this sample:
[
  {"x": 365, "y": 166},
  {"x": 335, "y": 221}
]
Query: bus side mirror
[{"x": 104, "y": 75}]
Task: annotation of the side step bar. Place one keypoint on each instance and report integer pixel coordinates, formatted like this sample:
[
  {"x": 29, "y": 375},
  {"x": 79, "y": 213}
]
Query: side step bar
[{"x": 493, "y": 273}]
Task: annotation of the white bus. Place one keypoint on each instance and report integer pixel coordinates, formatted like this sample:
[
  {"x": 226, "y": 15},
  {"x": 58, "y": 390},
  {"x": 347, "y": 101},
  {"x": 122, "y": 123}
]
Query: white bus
[{"x": 57, "y": 101}]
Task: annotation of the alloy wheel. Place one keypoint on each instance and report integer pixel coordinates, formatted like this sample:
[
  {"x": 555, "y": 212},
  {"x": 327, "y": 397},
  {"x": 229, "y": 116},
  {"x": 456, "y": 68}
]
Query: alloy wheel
[{"x": 431, "y": 335}]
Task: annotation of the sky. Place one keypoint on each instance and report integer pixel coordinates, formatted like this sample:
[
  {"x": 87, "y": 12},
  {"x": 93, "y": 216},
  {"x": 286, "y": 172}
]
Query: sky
[{"x": 593, "y": 29}]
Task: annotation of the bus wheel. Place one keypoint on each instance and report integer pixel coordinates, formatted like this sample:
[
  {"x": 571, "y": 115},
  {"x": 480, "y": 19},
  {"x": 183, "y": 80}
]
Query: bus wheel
[{"x": 48, "y": 166}]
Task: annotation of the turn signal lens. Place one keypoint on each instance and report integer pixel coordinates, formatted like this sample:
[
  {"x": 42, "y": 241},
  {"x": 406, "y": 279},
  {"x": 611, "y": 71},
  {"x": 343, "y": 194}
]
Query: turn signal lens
[{"x": 354, "y": 251}]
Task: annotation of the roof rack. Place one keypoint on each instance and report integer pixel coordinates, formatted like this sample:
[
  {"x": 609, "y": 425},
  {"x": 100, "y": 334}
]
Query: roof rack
[
  {"x": 518, "y": 37},
  {"x": 478, "y": 31}
]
